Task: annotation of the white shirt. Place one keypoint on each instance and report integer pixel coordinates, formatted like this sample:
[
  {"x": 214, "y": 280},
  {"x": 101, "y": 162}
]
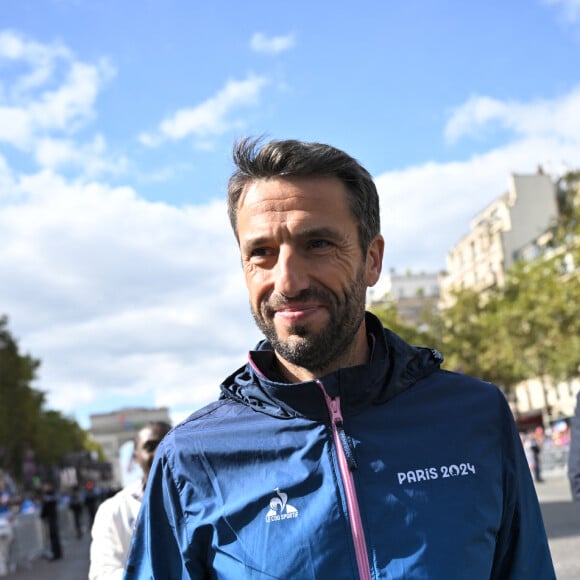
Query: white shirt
[{"x": 112, "y": 531}]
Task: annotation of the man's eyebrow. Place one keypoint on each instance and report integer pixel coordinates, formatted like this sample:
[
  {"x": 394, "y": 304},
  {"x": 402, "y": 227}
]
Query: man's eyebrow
[
  {"x": 306, "y": 233},
  {"x": 319, "y": 232},
  {"x": 258, "y": 241},
  {"x": 323, "y": 232}
]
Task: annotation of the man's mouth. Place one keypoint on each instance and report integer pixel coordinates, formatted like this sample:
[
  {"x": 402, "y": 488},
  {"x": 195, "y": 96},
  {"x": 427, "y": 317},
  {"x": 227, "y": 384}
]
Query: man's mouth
[{"x": 297, "y": 312}]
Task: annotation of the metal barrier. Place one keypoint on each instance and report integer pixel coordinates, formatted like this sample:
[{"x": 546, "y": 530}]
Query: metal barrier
[
  {"x": 24, "y": 537},
  {"x": 554, "y": 459},
  {"x": 28, "y": 539},
  {"x": 6, "y": 542}
]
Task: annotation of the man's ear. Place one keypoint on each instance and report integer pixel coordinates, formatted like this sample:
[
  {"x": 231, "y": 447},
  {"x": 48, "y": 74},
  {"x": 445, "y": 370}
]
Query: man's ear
[{"x": 374, "y": 262}]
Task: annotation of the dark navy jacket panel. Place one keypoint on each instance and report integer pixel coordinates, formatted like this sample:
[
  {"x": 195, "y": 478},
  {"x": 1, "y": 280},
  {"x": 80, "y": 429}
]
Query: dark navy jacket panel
[{"x": 249, "y": 486}]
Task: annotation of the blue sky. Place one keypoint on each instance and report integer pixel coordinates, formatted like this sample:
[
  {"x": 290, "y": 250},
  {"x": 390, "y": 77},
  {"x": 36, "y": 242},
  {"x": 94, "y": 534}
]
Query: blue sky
[{"x": 117, "y": 266}]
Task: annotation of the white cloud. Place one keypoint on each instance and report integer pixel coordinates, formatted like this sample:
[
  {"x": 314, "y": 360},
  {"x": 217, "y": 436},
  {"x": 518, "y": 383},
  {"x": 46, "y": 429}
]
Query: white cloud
[
  {"x": 92, "y": 157},
  {"x": 120, "y": 297},
  {"x": 6, "y": 179},
  {"x": 426, "y": 209},
  {"x": 472, "y": 115},
  {"x": 15, "y": 126},
  {"x": 570, "y": 9},
  {"x": 558, "y": 118},
  {"x": 41, "y": 58},
  {"x": 212, "y": 117},
  {"x": 271, "y": 45},
  {"x": 50, "y": 101},
  {"x": 72, "y": 103}
]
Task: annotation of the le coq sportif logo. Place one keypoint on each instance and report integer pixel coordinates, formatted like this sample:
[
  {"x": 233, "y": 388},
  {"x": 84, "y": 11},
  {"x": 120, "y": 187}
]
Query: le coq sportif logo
[{"x": 280, "y": 509}]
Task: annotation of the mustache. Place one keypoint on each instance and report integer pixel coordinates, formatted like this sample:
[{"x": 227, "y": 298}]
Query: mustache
[{"x": 277, "y": 301}]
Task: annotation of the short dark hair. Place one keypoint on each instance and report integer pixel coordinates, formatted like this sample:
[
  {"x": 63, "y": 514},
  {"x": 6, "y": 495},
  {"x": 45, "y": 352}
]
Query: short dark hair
[
  {"x": 291, "y": 158},
  {"x": 163, "y": 426}
]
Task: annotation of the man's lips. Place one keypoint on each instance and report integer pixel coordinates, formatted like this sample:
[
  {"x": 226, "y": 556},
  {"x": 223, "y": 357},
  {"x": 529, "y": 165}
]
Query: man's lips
[{"x": 297, "y": 311}]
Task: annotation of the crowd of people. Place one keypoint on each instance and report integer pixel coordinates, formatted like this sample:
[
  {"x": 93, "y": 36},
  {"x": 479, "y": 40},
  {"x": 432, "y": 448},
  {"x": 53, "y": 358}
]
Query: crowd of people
[
  {"x": 80, "y": 498},
  {"x": 107, "y": 514},
  {"x": 55, "y": 507},
  {"x": 547, "y": 446}
]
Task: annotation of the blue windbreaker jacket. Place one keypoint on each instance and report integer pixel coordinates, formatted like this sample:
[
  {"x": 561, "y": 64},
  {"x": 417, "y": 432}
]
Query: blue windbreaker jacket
[{"x": 394, "y": 469}]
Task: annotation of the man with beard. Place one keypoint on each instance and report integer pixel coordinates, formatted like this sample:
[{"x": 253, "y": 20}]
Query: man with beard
[{"x": 338, "y": 450}]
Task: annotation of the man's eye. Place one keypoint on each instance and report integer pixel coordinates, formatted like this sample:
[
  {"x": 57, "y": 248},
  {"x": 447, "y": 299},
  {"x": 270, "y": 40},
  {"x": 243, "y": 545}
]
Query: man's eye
[
  {"x": 318, "y": 244},
  {"x": 258, "y": 252}
]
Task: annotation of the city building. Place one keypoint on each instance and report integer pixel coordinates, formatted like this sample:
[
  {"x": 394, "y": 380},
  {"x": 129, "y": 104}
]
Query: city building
[
  {"x": 412, "y": 294},
  {"x": 498, "y": 235},
  {"x": 556, "y": 399},
  {"x": 515, "y": 226},
  {"x": 116, "y": 431}
]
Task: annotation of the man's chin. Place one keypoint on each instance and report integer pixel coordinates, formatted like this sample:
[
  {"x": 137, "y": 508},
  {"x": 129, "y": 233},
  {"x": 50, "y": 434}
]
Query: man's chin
[{"x": 294, "y": 335}]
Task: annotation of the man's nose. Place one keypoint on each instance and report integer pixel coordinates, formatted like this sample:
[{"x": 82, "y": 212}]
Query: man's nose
[{"x": 291, "y": 273}]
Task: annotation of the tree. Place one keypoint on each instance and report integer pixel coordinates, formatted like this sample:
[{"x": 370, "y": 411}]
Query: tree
[
  {"x": 27, "y": 429},
  {"x": 565, "y": 232},
  {"x": 473, "y": 339},
  {"x": 387, "y": 313},
  {"x": 568, "y": 199},
  {"x": 539, "y": 309},
  {"x": 19, "y": 403}
]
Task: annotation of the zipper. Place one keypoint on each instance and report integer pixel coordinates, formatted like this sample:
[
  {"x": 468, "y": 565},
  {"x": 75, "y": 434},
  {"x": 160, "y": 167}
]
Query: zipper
[{"x": 346, "y": 464}]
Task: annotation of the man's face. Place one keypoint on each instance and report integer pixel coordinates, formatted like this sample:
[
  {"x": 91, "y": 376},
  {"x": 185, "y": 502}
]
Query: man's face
[
  {"x": 145, "y": 446},
  {"x": 304, "y": 268}
]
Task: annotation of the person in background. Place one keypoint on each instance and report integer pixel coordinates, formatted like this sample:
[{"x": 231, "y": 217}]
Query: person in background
[
  {"x": 49, "y": 513},
  {"x": 536, "y": 444},
  {"x": 115, "y": 518},
  {"x": 574, "y": 454},
  {"x": 91, "y": 502},
  {"x": 338, "y": 450},
  {"x": 76, "y": 507}
]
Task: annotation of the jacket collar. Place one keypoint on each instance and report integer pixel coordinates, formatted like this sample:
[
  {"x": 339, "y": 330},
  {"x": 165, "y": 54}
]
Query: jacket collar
[{"x": 394, "y": 367}]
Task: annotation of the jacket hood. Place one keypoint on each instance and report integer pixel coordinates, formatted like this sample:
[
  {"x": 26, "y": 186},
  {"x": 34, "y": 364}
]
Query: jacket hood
[{"x": 394, "y": 367}]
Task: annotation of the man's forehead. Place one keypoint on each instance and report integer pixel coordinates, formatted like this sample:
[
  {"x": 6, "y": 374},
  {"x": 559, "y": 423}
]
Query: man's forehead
[
  {"x": 282, "y": 187},
  {"x": 324, "y": 200}
]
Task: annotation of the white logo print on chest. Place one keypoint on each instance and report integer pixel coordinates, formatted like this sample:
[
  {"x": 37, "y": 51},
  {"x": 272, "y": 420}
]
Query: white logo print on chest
[
  {"x": 432, "y": 473},
  {"x": 280, "y": 509}
]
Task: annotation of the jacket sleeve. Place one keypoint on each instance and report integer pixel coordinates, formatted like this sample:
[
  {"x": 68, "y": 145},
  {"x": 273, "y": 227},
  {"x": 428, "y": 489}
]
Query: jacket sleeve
[
  {"x": 574, "y": 457},
  {"x": 522, "y": 549},
  {"x": 163, "y": 545}
]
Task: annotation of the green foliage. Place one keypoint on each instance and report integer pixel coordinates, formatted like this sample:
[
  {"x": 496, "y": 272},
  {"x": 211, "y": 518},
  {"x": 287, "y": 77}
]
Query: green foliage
[
  {"x": 540, "y": 307},
  {"x": 94, "y": 447},
  {"x": 527, "y": 329},
  {"x": 57, "y": 435},
  {"x": 19, "y": 404},
  {"x": 530, "y": 328},
  {"x": 25, "y": 424},
  {"x": 568, "y": 198},
  {"x": 388, "y": 315}
]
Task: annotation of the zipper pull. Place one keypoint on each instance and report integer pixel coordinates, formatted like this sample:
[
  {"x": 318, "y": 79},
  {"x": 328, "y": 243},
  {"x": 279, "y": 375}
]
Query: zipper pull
[
  {"x": 336, "y": 418},
  {"x": 347, "y": 446}
]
